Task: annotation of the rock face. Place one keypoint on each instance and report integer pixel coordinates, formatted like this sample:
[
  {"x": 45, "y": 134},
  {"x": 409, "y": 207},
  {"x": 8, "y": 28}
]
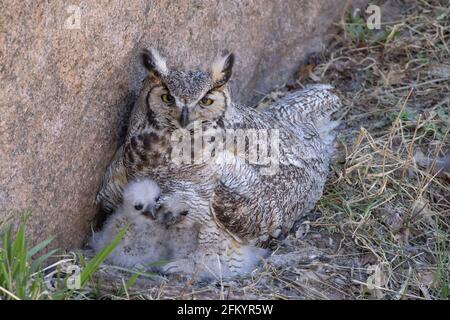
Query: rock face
[{"x": 69, "y": 74}]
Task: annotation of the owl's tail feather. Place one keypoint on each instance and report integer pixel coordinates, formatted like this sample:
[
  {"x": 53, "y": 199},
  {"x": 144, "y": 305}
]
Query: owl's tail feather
[{"x": 315, "y": 104}]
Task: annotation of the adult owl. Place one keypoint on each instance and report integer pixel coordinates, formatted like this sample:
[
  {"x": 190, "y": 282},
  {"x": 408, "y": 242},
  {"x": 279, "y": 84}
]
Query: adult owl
[{"x": 262, "y": 171}]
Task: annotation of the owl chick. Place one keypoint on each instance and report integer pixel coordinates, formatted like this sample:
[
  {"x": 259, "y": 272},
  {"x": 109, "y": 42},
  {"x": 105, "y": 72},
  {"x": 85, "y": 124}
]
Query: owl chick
[{"x": 150, "y": 237}]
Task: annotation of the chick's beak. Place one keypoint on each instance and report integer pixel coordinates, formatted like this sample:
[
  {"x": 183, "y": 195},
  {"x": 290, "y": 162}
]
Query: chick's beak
[
  {"x": 150, "y": 211},
  {"x": 184, "y": 117}
]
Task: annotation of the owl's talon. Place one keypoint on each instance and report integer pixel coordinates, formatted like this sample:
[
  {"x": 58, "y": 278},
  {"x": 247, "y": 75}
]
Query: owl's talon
[
  {"x": 182, "y": 266},
  {"x": 171, "y": 268}
]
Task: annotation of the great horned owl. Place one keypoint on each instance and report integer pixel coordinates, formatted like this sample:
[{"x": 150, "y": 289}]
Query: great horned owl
[
  {"x": 150, "y": 237},
  {"x": 240, "y": 205}
]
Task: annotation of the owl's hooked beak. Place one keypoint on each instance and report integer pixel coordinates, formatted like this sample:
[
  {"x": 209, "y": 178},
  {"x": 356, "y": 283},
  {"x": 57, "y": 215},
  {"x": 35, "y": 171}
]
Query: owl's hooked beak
[
  {"x": 184, "y": 117},
  {"x": 150, "y": 211}
]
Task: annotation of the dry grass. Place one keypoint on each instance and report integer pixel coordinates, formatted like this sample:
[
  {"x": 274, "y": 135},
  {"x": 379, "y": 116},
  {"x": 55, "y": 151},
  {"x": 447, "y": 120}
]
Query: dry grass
[
  {"x": 389, "y": 196},
  {"x": 381, "y": 229},
  {"x": 387, "y": 202}
]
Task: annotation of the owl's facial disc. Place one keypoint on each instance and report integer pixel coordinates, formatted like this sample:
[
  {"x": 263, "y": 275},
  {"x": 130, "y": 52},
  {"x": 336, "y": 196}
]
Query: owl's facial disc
[{"x": 181, "y": 97}]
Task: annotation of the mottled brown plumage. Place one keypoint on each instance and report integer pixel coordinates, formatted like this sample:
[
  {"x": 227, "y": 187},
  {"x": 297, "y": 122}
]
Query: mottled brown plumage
[{"x": 239, "y": 206}]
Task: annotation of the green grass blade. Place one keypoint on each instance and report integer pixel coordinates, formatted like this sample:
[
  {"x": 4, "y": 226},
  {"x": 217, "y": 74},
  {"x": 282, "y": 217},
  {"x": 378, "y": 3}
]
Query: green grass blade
[
  {"x": 93, "y": 265},
  {"x": 39, "y": 247},
  {"x": 138, "y": 272},
  {"x": 7, "y": 247},
  {"x": 131, "y": 281},
  {"x": 19, "y": 250},
  {"x": 37, "y": 263},
  {"x": 159, "y": 263}
]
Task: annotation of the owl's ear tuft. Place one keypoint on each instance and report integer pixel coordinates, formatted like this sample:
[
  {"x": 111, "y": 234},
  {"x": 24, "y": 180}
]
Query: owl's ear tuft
[
  {"x": 154, "y": 62},
  {"x": 221, "y": 69}
]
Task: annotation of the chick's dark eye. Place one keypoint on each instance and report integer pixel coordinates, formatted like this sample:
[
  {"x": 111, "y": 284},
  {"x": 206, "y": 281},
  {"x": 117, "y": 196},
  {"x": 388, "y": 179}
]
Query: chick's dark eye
[
  {"x": 138, "y": 207},
  {"x": 167, "y": 98},
  {"x": 206, "y": 101}
]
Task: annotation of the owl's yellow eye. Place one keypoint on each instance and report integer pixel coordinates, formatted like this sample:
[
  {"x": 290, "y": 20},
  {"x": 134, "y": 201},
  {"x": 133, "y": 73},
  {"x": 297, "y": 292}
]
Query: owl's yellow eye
[
  {"x": 206, "y": 101},
  {"x": 167, "y": 98}
]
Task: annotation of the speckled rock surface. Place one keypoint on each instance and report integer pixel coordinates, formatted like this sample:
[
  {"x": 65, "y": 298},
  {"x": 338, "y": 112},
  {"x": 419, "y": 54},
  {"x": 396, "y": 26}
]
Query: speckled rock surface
[{"x": 65, "y": 87}]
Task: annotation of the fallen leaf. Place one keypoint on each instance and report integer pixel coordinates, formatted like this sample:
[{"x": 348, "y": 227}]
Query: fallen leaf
[
  {"x": 421, "y": 208},
  {"x": 402, "y": 236},
  {"x": 368, "y": 259},
  {"x": 426, "y": 278},
  {"x": 395, "y": 75},
  {"x": 392, "y": 216},
  {"x": 378, "y": 279},
  {"x": 439, "y": 166},
  {"x": 305, "y": 71}
]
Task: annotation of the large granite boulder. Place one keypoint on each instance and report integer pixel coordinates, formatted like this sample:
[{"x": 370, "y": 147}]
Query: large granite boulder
[{"x": 69, "y": 74}]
